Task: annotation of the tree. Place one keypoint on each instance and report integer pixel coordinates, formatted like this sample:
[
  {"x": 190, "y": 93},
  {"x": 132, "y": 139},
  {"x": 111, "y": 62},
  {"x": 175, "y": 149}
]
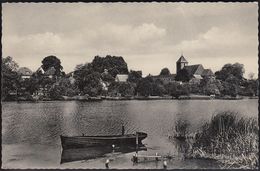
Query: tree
[
  {"x": 9, "y": 64},
  {"x": 210, "y": 86},
  {"x": 88, "y": 81},
  {"x": 237, "y": 70},
  {"x": 134, "y": 76},
  {"x": 251, "y": 88},
  {"x": 52, "y": 61},
  {"x": 251, "y": 75},
  {"x": 165, "y": 71},
  {"x": 176, "y": 90},
  {"x": 55, "y": 92},
  {"x": 195, "y": 88},
  {"x": 107, "y": 77},
  {"x": 10, "y": 77},
  {"x": 233, "y": 80},
  {"x": 126, "y": 89},
  {"x": 144, "y": 86},
  {"x": 158, "y": 88},
  {"x": 229, "y": 89},
  {"x": 183, "y": 75},
  {"x": 114, "y": 64},
  {"x": 68, "y": 89},
  {"x": 171, "y": 88}
]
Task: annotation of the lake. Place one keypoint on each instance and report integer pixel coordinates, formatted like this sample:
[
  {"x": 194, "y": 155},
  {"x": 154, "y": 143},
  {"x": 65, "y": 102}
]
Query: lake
[{"x": 30, "y": 131}]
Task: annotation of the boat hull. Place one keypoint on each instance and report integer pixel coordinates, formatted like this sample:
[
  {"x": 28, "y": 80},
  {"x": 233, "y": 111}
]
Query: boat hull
[{"x": 92, "y": 141}]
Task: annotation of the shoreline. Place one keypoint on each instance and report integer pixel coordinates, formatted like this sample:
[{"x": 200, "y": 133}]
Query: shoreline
[{"x": 141, "y": 98}]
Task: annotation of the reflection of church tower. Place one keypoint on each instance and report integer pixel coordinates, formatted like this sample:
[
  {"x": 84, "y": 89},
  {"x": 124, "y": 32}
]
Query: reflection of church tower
[{"x": 181, "y": 63}]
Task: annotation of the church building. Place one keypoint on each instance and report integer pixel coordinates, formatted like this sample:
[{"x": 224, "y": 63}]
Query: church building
[{"x": 196, "y": 72}]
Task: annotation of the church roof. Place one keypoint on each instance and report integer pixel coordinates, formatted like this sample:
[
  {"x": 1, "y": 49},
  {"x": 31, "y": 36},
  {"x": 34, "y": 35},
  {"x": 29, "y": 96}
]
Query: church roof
[
  {"x": 194, "y": 69},
  {"x": 182, "y": 59}
]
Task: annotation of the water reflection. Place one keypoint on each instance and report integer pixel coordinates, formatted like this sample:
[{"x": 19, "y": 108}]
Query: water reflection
[{"x": 70, "y": 155}]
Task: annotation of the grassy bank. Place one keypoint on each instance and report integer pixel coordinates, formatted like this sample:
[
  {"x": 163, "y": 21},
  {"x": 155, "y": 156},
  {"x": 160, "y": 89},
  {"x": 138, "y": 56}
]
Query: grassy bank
[{"x": 229, "y": 139}]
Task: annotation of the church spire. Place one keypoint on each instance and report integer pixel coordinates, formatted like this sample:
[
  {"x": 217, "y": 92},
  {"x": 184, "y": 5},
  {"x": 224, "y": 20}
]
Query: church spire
[{"x": 181, "y": 63}]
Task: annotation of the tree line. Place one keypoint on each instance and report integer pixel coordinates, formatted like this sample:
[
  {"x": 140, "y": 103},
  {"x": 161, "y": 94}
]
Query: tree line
[{"x": 97, "y": 78}]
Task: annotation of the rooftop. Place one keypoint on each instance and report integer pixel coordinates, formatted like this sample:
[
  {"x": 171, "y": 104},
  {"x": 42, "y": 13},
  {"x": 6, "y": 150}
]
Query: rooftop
[
  {"x": 25, "y": 71},
  {"x": 182, "y": 59},
  {"x": 121, "y": 77},
  {"x": 194, "y": 69}
]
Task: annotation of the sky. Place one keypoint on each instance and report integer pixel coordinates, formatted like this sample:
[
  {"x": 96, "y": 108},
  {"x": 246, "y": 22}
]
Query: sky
[{"x": 149, "y": 36}]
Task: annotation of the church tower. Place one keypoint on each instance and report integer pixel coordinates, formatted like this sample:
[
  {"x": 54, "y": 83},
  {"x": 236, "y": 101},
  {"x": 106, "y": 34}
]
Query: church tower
[{"x": 181, "y": 63}]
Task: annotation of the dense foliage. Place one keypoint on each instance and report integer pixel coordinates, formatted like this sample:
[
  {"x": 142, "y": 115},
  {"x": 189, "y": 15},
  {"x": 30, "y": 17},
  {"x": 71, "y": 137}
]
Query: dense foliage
[
  {"x": 134, "y": 76},
  {"x": 98, "y": 78},
  {"x": 114, "y": 64},
  {"x": 52, "y": 61},
  {"x": 88, "y": 80},
  {"x": 183, "y": 75},
  {"x": 231, "y": 70},
  {"x": 10, "y": 77},
  {"x": 176, "y": 89},
  {"x": 165, "y": 71}
]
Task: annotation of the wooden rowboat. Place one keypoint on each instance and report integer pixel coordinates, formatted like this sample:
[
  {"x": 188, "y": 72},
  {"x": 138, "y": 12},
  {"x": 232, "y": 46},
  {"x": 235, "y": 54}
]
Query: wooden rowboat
[{"x": 91, "y": 141}]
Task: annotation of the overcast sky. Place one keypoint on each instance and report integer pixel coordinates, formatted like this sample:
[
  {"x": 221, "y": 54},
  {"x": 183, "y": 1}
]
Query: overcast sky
[{"x": 149, "y": 36}]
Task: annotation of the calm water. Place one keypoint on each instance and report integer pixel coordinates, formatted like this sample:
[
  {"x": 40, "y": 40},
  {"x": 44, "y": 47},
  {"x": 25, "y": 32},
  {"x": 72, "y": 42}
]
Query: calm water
[{"x": 30, "y": 131}]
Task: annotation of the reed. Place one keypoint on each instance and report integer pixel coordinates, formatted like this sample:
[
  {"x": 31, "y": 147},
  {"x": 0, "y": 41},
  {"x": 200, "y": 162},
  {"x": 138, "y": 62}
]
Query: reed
[
  {"x": 182, "y": 127},
  {"x": 230, "y": 139}
]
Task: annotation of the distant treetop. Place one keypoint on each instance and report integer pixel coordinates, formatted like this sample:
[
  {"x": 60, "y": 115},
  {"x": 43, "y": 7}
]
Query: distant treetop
[
  {"x": 52, "y": 61},
  {"x": 165, "y": 71},
  {"x": 114, "y": 65}
]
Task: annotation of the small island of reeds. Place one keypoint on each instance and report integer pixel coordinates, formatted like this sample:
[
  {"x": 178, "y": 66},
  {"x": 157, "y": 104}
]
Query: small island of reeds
[{"x": 230, "y": 139}]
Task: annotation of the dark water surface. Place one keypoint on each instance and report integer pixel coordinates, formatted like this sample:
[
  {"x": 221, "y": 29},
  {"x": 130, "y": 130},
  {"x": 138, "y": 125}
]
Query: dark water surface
[{"x": 30, "y": 131}]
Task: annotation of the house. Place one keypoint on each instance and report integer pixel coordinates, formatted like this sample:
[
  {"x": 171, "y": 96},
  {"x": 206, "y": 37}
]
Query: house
[
  {"x": 25, "y": 73},
  {"x": 196, "y": 72},
  {"x": 121, "y": 78}
]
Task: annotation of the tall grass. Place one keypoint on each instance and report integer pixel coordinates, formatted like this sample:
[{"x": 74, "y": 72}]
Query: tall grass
[
  {"x": 182, "y": 127},
  {"x": 231, "y": 139}
]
